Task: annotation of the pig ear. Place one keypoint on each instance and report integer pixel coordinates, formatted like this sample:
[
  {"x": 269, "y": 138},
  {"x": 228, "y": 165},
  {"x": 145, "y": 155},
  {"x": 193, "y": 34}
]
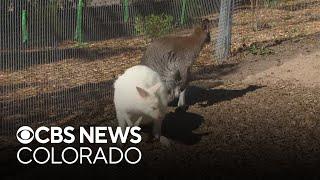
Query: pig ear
[
  {"x": 143, "y": 93},
  {"x": 155, "y": 88},
  {"x": 205, "y": 25}
]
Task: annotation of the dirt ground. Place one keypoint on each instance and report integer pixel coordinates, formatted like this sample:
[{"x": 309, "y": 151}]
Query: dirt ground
[
  {"x": 262, "y": 120},
  {"x": 302, "y": 70}
]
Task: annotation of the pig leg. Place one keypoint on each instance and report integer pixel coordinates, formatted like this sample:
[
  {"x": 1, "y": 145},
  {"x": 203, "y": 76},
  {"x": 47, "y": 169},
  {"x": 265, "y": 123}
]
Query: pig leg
[
  {"x": 156, "y": 131},
  {"x": 122, "y": 120}
]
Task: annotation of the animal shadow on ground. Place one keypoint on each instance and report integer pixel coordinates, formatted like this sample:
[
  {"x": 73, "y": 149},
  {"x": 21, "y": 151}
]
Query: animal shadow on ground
[
  {"x": 209, "y": 97},
  {"x": 178, "y": 126},
  {"x": 210, "y": 72}
]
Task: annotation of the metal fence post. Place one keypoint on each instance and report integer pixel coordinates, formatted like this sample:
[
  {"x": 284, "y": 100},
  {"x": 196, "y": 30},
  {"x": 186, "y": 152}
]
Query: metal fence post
[
  {"x": 79, "y": 30},
  {"x": 126, "y": 11},
  {"x": 183, "y": 12},
  {"x": 24, "y": 28},
  {"x": 223, "y": 43}
]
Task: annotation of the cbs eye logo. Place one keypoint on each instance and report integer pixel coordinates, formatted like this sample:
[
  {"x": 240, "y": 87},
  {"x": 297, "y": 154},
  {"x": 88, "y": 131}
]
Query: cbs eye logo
[{"x": 25, "y": 134}]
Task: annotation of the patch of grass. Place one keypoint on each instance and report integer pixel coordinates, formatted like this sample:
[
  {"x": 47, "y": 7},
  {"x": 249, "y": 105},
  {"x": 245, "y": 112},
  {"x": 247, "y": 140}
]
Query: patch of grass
[
  {"x": 260, "y": 50},
  {"x": 81, "y": 45},
  {"x": 259, "y": 26},
  {"x": 294, "y": 30},
  {"x": 287, "y": 17}
]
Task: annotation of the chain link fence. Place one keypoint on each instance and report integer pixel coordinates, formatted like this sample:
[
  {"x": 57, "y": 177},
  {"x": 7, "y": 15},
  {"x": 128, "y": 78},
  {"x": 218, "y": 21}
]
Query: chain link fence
[{"x": 58, "y": 58}]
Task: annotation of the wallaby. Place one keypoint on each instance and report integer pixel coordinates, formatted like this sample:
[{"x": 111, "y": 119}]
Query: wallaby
[
  {"x": 140, "y": 97},
  {"x": 172, "y": 57}
]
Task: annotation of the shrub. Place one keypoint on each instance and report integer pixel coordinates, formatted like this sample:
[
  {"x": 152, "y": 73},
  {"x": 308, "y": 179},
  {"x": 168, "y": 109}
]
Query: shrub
[
  {"x": 270, "y": 3},
  {"x": 153, "y": 26}
]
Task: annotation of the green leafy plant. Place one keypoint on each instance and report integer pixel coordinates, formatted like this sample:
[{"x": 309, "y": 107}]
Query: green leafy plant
[
  {"x": 153, "y": 26},
  {"x": 260, "y": 50},
  {"x": 139, "y": 25}
]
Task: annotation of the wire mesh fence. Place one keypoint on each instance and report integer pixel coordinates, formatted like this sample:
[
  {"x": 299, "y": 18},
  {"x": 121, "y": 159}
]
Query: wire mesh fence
[{"x": 58, "y": 58}]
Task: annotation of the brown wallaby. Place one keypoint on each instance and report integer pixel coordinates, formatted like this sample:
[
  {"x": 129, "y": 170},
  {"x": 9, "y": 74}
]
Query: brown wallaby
[{"x": 173, "y": 56}]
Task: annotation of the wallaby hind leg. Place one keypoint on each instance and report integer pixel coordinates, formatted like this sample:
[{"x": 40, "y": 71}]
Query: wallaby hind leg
[{"x": 182, "y": 101}]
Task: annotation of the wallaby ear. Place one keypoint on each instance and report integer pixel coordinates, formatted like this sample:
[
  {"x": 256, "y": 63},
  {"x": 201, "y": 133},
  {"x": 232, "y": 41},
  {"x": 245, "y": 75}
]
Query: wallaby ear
[
  {"x": 143, "y": 93},
  {"x": 155, "y": 88},
  {"x": 205, "y": 25}
]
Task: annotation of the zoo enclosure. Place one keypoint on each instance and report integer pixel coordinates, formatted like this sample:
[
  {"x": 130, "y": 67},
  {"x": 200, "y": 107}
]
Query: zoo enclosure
[{"x": 58, "y": 58}]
